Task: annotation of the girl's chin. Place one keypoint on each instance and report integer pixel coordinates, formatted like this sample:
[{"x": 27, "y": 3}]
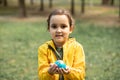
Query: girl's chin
[{"x": 59, "y": 41}]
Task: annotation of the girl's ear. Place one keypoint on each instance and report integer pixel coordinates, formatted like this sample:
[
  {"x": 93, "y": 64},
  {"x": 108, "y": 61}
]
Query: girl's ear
[
  {"x": 48, "y": 28},
  {"x": 71, "y": 29}
]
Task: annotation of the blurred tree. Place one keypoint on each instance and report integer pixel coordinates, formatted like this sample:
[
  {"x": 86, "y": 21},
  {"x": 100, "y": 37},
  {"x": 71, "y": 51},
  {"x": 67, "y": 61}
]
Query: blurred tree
[
  {"x": 41, "y": 5},
  {"x": 31, "y": 2},
  {"x": 104, "y": 2},
  {"x": 83, "y": 6},
  {"x": 50, "y": 3},
  {"x": 119, "y": 9},
  {"x": 0, "y": 1},
  {"x": 72, "y": 7},
  {"x": 22, "y": 8},
  {"x": 5, "y": 3},
  {"x": 112, "y": 2}
]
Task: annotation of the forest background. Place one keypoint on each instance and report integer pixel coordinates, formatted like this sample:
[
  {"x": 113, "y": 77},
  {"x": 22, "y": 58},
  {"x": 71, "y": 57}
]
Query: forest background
[{"x": 23, "y": 28}]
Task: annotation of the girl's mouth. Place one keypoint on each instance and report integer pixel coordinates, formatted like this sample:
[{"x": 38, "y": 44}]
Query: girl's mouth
[{"x": 58, "y": 35}]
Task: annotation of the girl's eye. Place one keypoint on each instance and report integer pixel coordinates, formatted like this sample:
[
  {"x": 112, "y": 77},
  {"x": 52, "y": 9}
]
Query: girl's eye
[
  {"x": 54, "y": 26},
  {"x": 63, "y": 26}
]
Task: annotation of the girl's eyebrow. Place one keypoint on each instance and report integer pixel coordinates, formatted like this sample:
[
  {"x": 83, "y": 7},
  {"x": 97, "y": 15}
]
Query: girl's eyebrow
[
  {"x": 57, "y": 24},
  {"x": 64, "y": 24},
  {"x": 53, "y": 24}
]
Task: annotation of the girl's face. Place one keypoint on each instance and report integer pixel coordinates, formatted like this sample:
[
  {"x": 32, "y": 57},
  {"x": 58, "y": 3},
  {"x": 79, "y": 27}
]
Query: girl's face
[{"x": 59, "y": 29}]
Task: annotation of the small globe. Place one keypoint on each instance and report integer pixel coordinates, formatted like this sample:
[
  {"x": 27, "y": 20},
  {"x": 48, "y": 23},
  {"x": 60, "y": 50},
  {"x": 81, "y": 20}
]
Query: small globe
[{"x": 60, "y": 64}]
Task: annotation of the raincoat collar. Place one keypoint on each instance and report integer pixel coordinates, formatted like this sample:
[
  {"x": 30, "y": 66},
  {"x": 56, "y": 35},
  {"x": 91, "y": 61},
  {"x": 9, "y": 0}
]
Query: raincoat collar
[{"x": 51, "y": 43}]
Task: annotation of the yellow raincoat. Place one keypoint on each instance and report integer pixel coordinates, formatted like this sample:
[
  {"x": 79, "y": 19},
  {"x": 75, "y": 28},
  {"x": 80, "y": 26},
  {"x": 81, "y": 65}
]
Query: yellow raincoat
[{"x": 73, "y": 56}]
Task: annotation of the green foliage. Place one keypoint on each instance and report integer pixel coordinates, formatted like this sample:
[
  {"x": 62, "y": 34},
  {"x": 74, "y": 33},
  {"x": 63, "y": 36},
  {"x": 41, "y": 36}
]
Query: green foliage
[
  {"x": 19, "y": 42},
  {"x": 102, "y": 49}
]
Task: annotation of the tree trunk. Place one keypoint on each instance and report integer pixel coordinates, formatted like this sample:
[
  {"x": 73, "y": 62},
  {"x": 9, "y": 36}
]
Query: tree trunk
[
  {"x": 22, "y": 8},
  {"x": 0, "y": 1},
  {"x": 72, "y": 7},
  {"x": 112, "y": 2},
  {"x": 105, "y": 2},
  {"x": 5, "y": 3},
  {"x": 50, "y": 3},
  {"x": 41, "y": 5},
  {"x": 119, "y": 10},
  {"x": 31, "y": 2},
  {"x": 83, "y": 6}
]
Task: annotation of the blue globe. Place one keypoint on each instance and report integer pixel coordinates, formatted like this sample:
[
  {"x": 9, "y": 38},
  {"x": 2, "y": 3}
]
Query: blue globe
[{"x": 60, "y": 64}]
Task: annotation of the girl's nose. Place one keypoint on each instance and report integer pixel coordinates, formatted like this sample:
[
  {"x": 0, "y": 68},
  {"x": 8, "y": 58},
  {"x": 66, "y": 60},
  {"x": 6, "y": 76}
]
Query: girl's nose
[{"x": 58, "y": 29}]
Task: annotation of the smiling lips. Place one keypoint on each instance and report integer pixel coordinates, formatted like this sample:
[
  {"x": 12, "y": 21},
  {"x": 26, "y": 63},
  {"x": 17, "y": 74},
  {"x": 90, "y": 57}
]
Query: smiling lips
[{"x": 58, "y": 35}]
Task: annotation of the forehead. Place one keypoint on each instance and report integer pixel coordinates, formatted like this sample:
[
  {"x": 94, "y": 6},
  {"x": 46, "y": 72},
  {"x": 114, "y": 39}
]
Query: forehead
[{"x": 59, "y": 19}]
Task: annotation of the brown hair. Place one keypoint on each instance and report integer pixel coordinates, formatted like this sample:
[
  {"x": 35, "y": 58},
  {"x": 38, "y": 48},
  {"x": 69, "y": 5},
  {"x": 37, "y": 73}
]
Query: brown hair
[{"x": 61, "y": 12}]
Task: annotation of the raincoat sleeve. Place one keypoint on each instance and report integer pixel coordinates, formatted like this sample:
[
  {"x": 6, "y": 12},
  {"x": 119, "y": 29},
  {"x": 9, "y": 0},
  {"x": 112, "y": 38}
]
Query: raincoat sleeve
[
  {"x": 78, "y": 68},
  {"x": 43, "y": 64}
]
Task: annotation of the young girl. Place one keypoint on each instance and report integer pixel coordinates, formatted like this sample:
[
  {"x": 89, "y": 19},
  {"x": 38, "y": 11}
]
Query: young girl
[{"x": 61, "y": 47}]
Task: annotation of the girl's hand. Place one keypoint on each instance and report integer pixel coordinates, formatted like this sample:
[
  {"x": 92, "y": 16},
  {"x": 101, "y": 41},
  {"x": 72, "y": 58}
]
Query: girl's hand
[
  {"x": 63, "y": 71},
  {"x": 53, "y": 69}
]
